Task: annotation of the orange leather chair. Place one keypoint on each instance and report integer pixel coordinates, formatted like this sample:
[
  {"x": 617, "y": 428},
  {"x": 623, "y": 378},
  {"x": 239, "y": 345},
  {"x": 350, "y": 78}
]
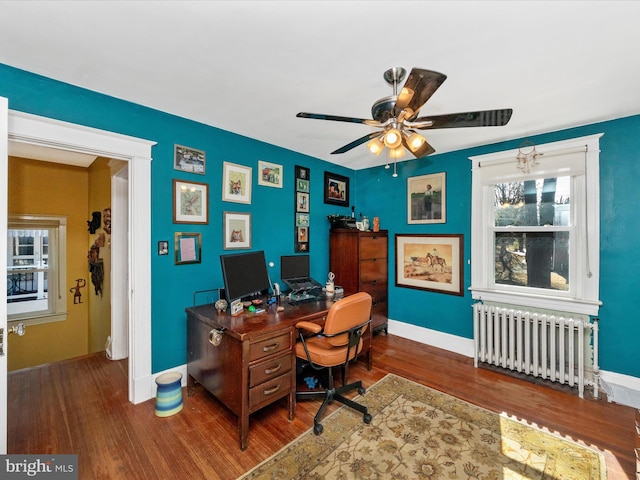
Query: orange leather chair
[{"x": 335, "y": 344}]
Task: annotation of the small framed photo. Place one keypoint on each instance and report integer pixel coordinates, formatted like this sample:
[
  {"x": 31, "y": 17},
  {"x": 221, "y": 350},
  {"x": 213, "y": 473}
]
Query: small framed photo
[
  {"x": 188, "y": 248},
  {"x": 302, "y": 219},
  {"x": 237, "y": 231},
  {"x": 188, "y": 159},
  {"x": 270, "y": 174},
  {"x": 236, "y": 183},
  {"x": 302, "y": 202},
  {"x": 302, "y": 185},
  {"x": 302, "y": 173},
  {"x": 302, "y": 234},
  {"x": 426, "y": 199},
  {"x": 430, "y": 262},
  {"x": 336, "y": 189},
  {"x": 163, "y": 247},
  {"x": 190, "y": 202}
]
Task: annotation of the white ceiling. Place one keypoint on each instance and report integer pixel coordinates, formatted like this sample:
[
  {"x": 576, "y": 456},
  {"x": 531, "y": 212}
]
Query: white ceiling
[{"x": 249, "y": 66}]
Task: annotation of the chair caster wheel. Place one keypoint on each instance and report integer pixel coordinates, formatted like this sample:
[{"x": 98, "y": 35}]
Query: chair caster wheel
[
  {"x": 361, "y": 390},
  {"x": 317, "y": 429},
  {"x": 367, "y": 418}
]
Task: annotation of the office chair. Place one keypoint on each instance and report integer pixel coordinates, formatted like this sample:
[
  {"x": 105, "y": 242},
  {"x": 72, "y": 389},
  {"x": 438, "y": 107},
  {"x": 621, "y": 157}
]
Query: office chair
[{"x": 335, "y": 344}]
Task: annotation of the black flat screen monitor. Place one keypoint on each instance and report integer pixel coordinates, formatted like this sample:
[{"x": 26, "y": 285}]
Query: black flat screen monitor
[
  {"x": 244, "y": 274},
  {"x": 294, "y": 266}
]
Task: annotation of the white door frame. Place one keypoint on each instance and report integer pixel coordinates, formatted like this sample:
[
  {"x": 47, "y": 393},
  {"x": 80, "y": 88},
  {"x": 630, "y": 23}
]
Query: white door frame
[
  {"x": 4, "y": 184},
  {"x": 51, "y": 133}
]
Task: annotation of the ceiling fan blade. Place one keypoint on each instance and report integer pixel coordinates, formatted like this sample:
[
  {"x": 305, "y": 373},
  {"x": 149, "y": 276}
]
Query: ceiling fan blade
[
  {"x": 423, "y": 151},
  {"x": 418, "y": 88},
  {"x": 357, "y": 142},
  {"x": 337, "y": 118},
  {"x": 483, "y": 118}
]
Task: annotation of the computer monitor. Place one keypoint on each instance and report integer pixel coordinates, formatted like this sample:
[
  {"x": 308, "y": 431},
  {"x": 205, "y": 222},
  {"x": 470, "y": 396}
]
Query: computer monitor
[
  {"x": 294, "y": 266},
  {"x": 244, "y": 275}
]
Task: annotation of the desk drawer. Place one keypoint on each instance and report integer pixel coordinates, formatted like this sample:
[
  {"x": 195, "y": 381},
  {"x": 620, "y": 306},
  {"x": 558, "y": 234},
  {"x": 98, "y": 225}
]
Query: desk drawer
[
  {"x": 269, "y": 369},
  {"x": 269, "y": 346},
  {"x": 268, "y": 392}
]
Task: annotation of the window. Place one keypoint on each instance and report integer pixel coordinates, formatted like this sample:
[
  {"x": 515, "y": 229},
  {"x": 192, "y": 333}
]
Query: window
[
  {"x": 36, "y": 269},
  {"x": 535, "y": 235}
]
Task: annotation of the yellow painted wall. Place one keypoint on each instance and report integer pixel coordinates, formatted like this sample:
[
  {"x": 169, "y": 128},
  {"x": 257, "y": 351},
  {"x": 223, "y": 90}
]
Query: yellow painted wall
[
  {"x": 100, "y": 305},
  {"x": 51, "y": 189}
]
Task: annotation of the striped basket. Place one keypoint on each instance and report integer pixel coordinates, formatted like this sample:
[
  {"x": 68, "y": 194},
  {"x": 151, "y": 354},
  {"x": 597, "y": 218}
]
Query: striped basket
[{"x": 169, "y": 394}]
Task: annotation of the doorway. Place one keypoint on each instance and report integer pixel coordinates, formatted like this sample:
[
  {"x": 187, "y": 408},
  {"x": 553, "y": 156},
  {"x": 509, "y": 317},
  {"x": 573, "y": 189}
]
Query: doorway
[{"x": 42, "y": 132}]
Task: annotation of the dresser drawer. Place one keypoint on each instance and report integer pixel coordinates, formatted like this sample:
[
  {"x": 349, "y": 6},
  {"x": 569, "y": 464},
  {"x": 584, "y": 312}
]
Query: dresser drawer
[
  {"x": 373, "y": 271},
  {"x": 268, "y": 392},
  {"x": 269, "y": 346},
  {"x": 268, "y": 369},
  {"x": 373, "y": 247}
]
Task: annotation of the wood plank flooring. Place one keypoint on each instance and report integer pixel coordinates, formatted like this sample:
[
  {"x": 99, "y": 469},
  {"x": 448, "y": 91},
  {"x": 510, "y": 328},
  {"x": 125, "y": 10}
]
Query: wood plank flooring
[{"x": 80, "y": 406}]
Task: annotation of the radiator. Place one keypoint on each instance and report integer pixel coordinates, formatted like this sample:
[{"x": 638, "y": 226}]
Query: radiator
[{"x": 553, "y": 346}]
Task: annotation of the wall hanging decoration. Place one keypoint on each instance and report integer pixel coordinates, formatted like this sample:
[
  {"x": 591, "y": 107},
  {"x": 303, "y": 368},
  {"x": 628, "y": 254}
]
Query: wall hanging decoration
[
  {"x": 236, "y": 183},
  {"x": 430, "y": 262},
  {"x": 188, "y": 159},
  {"x": 190, "y": 202},
  {"x": 94, "y": 223},
  {"x": 188, "y": 248},
  {"x": 336, "y": 189},
  {"x": 302, "y": 199},
  {"x": 96, "y": 268},
  {"x": 237, "y": 231},
  {"x": 106, "y": 220},
  {"x": 426, "y": 199},
  {"x": 163, "y": 247},
  {"x": 77, "y": 294},
  {"x": 270, "y": 174}
]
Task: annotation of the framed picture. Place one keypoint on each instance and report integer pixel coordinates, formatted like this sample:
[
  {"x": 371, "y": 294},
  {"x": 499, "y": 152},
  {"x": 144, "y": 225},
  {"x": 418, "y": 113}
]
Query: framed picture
[
  {"x": 302, "y": 202},
  {"x": 190, "y": 202},
  {"x": 430, "y": 262},
  {"x": 189, "y": 159},
  {"x": 426, "y": 199},
  {"x": 236, "y": 183},
  {"x": 188, "y": 247},
  {"x": 270, "y": 174},
  {"x": 302, "y": 219},
  {"x": 302, "y": 234},
  {"x": 336, "y": 189},
  {"x": 163, "y": 247},
  {"x": 302, "y": 173},
  {"x": 302, "y": 185},
  {"x": 237, "y": 231}
]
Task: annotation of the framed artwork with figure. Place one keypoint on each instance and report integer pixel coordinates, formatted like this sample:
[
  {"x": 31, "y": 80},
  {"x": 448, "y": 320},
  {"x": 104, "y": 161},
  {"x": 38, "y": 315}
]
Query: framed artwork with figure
[
  {"x": 236, "y": 183},
  {"x": 426, "y": 199}
]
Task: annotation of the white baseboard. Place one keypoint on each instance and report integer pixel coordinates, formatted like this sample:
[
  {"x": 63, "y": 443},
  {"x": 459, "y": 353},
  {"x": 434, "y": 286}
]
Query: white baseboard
[{"x": 622, "y": 389}]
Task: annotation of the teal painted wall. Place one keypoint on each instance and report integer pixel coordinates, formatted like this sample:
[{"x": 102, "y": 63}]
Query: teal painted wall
[
  {"x": 619, "y": 231},
  {"x": 375, "y": 193},
  {"x": 272, "y": 209}
]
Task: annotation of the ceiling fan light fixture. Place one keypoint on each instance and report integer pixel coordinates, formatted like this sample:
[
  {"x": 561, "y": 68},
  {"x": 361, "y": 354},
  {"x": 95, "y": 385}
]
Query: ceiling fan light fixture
[
  {"x": 415, "y": 141},
  {"x": 393, "y": 138},
  {"x": 406, "y": 94},
  {"x": 397, "y": 152},
  {"x": 376, "y": 146}
]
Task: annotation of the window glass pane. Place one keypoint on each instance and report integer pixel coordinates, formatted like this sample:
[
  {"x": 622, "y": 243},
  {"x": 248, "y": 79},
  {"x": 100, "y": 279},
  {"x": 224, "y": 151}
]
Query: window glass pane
[
  {"x": 538, "y": 259},
  {"x": 538, "y": 202}
]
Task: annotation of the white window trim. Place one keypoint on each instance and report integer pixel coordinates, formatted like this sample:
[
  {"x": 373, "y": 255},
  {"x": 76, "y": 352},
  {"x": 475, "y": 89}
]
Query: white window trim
[
  {"x": 58, "y": 303},
  {"x": 585, "y": 269}
]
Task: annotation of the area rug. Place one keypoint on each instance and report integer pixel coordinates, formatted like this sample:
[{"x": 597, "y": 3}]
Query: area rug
[{"x": 420, "y": 433}]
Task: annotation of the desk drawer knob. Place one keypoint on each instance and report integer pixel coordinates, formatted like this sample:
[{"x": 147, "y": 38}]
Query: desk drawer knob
[
  {"x": 273, "y": 390},
  {"x": 269, "y": 371},
  {"x": 273, "y": 346}
]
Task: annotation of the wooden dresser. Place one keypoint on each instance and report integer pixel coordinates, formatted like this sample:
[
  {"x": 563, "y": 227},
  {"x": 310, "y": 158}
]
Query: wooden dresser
[{"x": 359, "y": 261}]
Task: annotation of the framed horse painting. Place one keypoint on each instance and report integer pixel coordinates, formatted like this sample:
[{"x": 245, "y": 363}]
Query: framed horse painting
[{"x": 430, "y": 262}]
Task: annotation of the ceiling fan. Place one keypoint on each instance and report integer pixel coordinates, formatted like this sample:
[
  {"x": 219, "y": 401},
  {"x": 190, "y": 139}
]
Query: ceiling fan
[{"x": 397, "y": 116}]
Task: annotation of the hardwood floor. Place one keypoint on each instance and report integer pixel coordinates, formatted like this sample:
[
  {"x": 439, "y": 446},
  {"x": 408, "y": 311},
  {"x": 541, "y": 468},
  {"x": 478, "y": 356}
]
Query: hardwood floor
[{"x": 80, "y": 406}]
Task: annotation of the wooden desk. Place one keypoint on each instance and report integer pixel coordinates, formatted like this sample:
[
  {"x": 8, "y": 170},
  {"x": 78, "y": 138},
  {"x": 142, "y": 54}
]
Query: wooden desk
[{"x": 255, "y": 363}]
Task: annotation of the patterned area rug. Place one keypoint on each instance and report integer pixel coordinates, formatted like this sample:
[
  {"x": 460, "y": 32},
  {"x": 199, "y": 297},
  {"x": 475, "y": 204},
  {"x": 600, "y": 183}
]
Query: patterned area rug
[{"x": 420, "y": 433}]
